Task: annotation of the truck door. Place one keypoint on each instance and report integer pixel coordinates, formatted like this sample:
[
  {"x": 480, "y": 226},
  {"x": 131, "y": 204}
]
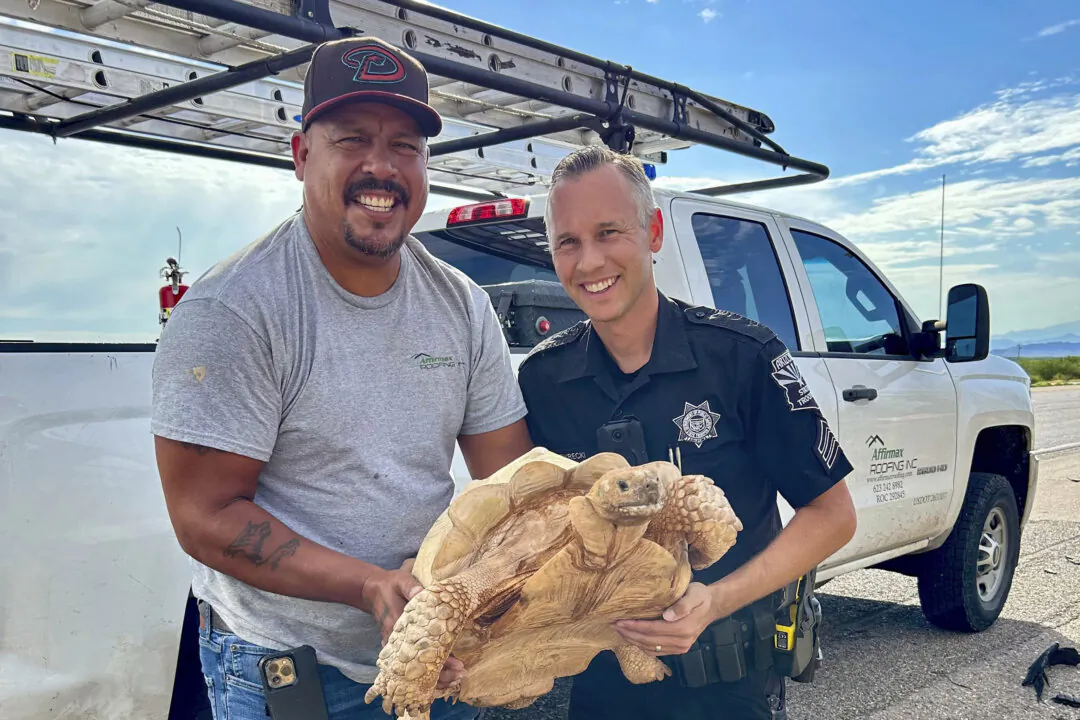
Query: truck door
[
  {"x": 897, "y": 413},
  {"x": 736, "y": 260}
]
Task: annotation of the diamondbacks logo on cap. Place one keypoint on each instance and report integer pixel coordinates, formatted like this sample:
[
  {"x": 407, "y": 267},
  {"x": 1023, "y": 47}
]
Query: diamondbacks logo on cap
[{"x": 374, "y": 64}]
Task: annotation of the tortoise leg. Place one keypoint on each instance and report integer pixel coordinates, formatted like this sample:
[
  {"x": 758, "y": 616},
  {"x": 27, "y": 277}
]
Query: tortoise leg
[
  {"x": 638, "y": 666},
  {"x": 698, "y": 511},
  {"x": 414, "y": 654}
]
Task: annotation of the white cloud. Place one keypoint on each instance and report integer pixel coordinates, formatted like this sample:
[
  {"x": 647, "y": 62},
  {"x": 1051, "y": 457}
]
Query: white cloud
[
  {"x": 1010, "y": 128},
  {"x": 988, "y": 207},
  {"x": 708, "y": 14},
  {"x": 1031, "y": 87},
  {"x": 1059, "y": 28},
  {"x": 1071, "y": 158}
]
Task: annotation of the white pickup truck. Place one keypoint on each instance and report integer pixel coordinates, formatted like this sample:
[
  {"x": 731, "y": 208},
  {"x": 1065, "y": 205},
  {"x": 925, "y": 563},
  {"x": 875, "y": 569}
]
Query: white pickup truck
[{"x": 93, "y": 585}]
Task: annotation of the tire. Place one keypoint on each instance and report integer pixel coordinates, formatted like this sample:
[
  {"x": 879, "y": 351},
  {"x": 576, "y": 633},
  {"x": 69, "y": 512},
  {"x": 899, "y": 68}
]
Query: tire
[{"x": 955, "y": 592}]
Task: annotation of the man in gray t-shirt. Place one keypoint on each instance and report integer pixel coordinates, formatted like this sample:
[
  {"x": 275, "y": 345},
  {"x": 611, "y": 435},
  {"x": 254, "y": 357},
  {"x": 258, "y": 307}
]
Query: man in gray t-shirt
[{"x": 309, "y": 391}]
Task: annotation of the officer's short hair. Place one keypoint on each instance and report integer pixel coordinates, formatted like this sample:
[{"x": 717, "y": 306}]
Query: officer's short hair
[{"x": 593, "y": 157}]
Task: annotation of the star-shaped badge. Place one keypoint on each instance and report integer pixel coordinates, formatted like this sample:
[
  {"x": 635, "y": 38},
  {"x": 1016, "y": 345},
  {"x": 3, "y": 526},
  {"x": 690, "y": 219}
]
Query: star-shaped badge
[{"x": 697, "y": 423}]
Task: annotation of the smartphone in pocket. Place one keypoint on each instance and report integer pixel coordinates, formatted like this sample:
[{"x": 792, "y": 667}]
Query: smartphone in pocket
[{"x": 292, "y": 685}]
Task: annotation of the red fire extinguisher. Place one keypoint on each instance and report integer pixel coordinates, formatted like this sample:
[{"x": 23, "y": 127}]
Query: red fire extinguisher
[{"x": 170, "y": 294}]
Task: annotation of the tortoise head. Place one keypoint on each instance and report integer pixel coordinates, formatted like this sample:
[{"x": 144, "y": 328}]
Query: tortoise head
[{"x": 629, "y": 495}]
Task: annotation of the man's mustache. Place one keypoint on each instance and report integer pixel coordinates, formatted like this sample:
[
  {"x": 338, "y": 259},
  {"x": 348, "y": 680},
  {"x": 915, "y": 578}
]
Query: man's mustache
[{"x": 370, "y": 183}]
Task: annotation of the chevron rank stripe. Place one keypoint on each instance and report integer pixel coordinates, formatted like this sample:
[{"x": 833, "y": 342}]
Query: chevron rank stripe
[{"x": 828, "y": 447}]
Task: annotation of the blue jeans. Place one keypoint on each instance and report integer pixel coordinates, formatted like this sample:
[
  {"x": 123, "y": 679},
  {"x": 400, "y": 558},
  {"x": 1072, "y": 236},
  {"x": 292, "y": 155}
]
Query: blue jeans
[{"x": 231, "y": 669}]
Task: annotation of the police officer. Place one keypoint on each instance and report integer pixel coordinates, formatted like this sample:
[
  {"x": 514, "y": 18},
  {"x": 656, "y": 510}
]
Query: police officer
[{"x": 656, "y": 379}]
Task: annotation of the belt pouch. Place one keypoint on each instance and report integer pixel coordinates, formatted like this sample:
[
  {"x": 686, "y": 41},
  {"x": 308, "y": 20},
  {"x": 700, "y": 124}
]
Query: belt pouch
[
  {"x": 728, "y": 650},
  {"x": 763, "y": 636}
]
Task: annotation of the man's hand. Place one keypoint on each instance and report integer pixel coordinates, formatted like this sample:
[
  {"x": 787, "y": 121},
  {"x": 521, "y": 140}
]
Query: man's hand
[
  {"x": 385, "y": 594},
  {"x": 384, "y": 597},
  {"x": 680, "y": 627}
]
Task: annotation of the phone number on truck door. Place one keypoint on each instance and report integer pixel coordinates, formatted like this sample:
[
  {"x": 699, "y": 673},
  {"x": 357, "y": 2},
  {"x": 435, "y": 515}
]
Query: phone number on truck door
[{"x": 889, "y": 491}]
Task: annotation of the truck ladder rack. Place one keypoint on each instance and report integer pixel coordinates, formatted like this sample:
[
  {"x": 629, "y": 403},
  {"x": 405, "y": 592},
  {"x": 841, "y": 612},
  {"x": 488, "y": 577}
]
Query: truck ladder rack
[{"x": 223, "y": 79}]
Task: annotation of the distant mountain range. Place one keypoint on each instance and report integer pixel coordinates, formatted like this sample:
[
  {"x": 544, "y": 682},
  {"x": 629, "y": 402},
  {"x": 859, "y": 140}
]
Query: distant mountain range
[{"x": 1055, "y": 341}]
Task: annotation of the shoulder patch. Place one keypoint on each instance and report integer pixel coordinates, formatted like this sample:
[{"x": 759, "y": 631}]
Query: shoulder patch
[
  {"x": 787, "y": 375},
  {"x": 563, "y": 337},
  {"x": 730, "y": 321}
]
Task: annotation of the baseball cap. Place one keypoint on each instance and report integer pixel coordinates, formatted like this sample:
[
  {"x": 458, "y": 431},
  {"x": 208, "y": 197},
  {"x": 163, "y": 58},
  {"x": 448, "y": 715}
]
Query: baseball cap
[{"x": 366, "y": 68}]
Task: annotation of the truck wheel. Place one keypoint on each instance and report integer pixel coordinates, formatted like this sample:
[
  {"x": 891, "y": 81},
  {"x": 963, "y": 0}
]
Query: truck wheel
[{"x": 964, "y": 584}]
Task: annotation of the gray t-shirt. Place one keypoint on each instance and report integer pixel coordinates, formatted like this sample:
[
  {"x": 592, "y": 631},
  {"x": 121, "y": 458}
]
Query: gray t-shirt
[{"x": 354, "y": 404}]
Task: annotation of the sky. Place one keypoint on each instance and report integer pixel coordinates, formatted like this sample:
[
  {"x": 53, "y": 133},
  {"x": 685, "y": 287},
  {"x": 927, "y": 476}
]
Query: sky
[{"x": 890, "y": 96}]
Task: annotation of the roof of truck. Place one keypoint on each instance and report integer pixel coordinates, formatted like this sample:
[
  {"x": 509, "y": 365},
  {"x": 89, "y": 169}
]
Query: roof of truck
[
  {"x": 435, "y": 219},
  {"x": 223, "y": 79}
]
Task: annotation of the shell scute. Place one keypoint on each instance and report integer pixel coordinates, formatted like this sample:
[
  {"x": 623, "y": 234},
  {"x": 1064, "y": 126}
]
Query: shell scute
[
  {"x": 472, "y": 515},
  {"x": 534, "y": 481}
]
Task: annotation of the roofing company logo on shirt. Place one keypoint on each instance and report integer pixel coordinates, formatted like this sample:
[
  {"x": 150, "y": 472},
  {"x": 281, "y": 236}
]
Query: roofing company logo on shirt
[{"x": 432, "y": 362}]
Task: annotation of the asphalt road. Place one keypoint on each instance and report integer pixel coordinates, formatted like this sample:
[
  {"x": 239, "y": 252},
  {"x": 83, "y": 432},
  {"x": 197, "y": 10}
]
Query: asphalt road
[
  {"x": 1057, "y": 415},
  {"x": 883, "y": 661}
]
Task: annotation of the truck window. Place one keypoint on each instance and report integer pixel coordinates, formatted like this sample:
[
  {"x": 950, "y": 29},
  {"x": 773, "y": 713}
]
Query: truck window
[
  {"x": 511, "y": 261},
  {"x": 744, "y": 272},
  {"x": 494, "y": 253},
  {"x": 858, "y": 313}
]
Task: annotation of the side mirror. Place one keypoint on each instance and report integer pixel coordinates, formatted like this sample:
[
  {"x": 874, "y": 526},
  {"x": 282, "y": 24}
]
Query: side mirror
[{"x": 967, "y": 324}]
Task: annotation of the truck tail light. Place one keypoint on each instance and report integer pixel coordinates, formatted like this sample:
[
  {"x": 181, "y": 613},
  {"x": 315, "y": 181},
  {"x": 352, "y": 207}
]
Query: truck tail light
[{"x": 509, "y": 209}]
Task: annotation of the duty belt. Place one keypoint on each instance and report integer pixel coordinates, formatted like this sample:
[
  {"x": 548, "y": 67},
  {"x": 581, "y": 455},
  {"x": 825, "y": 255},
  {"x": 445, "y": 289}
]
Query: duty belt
[{"x": 730, "y": 648}]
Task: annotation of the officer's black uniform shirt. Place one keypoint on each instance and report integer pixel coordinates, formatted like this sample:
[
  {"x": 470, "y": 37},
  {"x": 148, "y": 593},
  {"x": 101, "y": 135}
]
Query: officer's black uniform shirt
[{"x": 720, "y": 391}]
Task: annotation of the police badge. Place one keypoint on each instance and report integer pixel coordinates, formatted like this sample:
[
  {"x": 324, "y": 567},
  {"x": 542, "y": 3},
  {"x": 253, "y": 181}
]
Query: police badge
[{"x": 697, "y": 423}]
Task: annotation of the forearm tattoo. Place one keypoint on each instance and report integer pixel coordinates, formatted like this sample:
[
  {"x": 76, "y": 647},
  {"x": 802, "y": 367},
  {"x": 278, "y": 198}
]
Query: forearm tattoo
[{"x": 249, "y": 545}]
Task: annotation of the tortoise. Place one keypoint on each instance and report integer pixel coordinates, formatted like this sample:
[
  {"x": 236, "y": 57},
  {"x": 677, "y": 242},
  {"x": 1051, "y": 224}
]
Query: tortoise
[{"x": 525, "y": 571}]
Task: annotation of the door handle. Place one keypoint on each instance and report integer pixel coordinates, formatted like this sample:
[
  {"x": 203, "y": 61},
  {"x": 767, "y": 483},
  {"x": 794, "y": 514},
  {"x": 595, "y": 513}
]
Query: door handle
[{"x": 859, "y": 393}]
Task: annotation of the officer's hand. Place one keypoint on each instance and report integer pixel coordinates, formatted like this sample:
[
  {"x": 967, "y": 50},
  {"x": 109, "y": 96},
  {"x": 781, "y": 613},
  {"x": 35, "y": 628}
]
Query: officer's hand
[{"x": 680, "y": 627}]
